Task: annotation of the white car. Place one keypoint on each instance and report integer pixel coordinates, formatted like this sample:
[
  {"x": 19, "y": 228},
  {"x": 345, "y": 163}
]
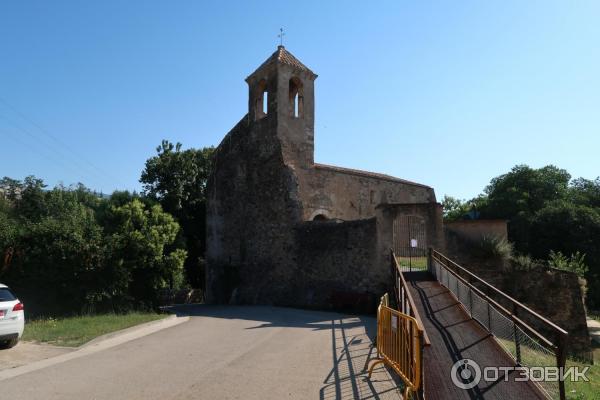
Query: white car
[{"x": 12, "y": 318}]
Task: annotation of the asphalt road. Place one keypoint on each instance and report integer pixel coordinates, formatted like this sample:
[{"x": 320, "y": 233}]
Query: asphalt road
[{"x": 224, "y": 353}]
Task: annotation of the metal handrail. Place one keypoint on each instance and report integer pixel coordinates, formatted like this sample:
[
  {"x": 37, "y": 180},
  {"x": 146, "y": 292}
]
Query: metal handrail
[
  {"x": 514, "y": 302},
  {"x": 558, "y": 346},
  {"x": 404, "y": 299},
  {"x": 501, "y": 308}
]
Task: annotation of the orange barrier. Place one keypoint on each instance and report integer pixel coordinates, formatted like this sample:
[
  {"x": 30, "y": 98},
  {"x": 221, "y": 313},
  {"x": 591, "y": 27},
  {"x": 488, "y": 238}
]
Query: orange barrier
[{"x": 399, "y": 345}]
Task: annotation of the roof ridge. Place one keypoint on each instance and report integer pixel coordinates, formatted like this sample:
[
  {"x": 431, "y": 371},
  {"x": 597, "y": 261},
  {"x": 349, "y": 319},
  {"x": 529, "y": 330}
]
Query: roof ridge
[
  {"x": 283, "y": 56},
  {"x": 368, "y": 174}
]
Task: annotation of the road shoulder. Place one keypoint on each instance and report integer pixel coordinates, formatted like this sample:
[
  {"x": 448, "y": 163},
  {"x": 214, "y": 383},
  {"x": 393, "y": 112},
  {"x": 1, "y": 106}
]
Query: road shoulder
[{"x": 28, "y": 357}]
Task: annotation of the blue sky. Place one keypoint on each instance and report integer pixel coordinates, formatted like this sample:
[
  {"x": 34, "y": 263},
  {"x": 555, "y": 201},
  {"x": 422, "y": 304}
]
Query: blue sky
[{"x": 446, "y": 93}]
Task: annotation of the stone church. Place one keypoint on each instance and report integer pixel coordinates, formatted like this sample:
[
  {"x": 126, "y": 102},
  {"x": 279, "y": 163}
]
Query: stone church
[{"x": 284, "y": 230}]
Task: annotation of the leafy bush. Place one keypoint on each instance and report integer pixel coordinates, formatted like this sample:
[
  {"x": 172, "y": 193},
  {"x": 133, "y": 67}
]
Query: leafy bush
[
  {"x": 575, "y": 263},
  {"x": 457, "y": 209},
  {"x": 176, "y": 179},
  {"x": 68, "y": 251}
]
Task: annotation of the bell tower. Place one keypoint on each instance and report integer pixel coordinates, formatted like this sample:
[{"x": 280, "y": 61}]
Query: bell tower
[{"x": 281, "y": 97}]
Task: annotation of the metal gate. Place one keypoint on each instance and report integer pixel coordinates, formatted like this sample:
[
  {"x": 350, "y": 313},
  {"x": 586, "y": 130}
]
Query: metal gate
[{"x": 410, "y": 242}]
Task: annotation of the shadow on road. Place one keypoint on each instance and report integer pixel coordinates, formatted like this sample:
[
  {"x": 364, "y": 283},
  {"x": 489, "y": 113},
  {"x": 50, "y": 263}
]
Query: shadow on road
[
  {"x": 272, "y": 317},
  {"x": 352, "y": 339},
  {"x": 352, "y": 351}
]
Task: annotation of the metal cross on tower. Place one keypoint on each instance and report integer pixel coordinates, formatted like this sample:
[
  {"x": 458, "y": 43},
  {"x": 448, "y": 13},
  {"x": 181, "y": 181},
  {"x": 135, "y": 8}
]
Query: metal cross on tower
[{"x": 280, "y": 36}]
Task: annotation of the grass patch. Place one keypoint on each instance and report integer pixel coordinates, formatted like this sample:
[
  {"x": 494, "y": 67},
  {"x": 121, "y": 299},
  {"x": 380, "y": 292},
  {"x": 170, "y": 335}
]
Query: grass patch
[
  {"x": 418, "y": 263},
  {"x": 75, "y": 331},
  {"x": 574, "y": 390},
  {"x": 585, "y": 390}
]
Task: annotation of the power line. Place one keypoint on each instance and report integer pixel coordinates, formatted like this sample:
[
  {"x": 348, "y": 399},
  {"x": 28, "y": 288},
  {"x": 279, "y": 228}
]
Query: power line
[
  {"x": 50, "y": 155},
  {"x": 59, "y": 142}
]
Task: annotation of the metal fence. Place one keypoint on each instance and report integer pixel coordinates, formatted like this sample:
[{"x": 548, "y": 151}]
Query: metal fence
[
  {"x": 526, "y": 345},
  {"x": 399, "y": 346}
]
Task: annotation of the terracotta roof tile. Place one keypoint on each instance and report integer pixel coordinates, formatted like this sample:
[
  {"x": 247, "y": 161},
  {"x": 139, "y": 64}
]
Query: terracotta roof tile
[{"x": 283, "y": 56}]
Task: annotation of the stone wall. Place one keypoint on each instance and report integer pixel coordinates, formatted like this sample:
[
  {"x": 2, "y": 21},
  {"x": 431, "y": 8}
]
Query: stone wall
[
  {"x": 336, "y": 265},
  {"x": 341, "y": 193},
  {"x": 261, "y": 250},
  {"x": 479, "y": 228},
  {"x": 558, "y": 296},
  {"x": 252, "y": 205}
]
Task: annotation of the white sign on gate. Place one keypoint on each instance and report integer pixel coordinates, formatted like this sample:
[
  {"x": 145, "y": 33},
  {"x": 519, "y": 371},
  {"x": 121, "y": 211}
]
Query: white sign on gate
[
  {"x": 413, "y": 243},
  {"x": 394, "y": 322}
]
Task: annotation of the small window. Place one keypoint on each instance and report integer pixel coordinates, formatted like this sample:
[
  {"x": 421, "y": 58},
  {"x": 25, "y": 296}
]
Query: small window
[
  {"x": 296, "y": 98},
  {"x": 296, "y": 104},
  {"x": 265, "y": 104},
  {"x": 261, "y": 103}
]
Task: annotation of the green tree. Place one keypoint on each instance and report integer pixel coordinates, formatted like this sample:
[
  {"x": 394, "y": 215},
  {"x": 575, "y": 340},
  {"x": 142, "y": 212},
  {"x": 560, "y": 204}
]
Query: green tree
[
  {"x": 546, "y": 212},
  {"x": 519, "y": 194},
  {"x": 11, "y": 188},
  {"x": 569, "y": 228},
  {"x": 140, "y": 243},
  {"x": 9, "y": 232},
  {"x": 177, "y": 179},
  {"x": 454, "y": 209},
  {"x": 585, "y": 192},
  {"x": 59, "y": 257},
  {"x": 525, "y": 190},
  {"x": 28, "y": 197},
  {"x": 68, "y": 250}
]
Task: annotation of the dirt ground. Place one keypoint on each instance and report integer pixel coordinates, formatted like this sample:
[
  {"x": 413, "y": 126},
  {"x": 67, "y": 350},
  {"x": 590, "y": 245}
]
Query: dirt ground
[{"x": 26, "y": 353}]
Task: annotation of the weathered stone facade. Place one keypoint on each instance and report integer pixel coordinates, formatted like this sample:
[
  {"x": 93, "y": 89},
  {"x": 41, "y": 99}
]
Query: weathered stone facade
[
  {"x": 282, "y": 229},
  {"x": 477, "y": 229}
]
